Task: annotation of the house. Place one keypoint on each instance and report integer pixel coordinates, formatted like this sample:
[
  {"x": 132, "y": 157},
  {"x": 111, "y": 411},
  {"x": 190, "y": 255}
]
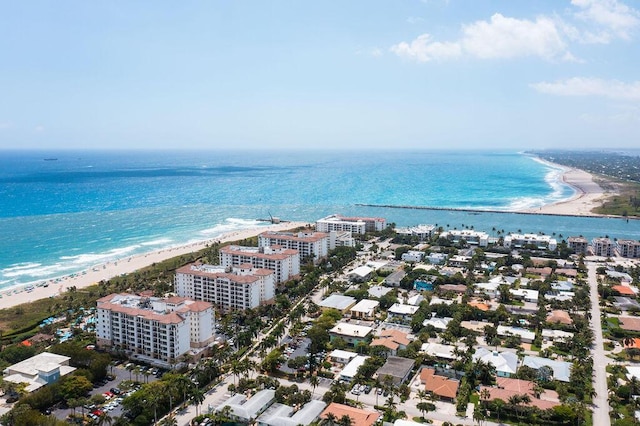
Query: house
[
  {"x": 559, "y": 317},
  {"x": 445, "y": 388},
  {"x": 361, "y": 274},
  {"x": 469, "y": 236},
  {"x": 437, "y": 323},
  {"x": 391, "y": 339},
  {"x": 560, "y": 296},
  {"x": 248, "y": 409},
  {"x": 525, "y": 335},
  {"x": 561, "y": 370},
  {"x": 415, "y": 300},
  {"x": 524, "y": 294},
  {"x": 506, "y": 363},
  {"x": 438, "y": 350},
  {"x": 622, "y": 276},
  {"x": 625, "y": 303},
  {"x": 359, "y": 417},
  {"x": 402, "y": 311},
  {"x": 484, "y": 307},
  {"x": 556, "y": 335},
  {"x": 477, "y": 326},
  {"x": 339, "y": 302},
  {"x": 458, "y": 261},
  {"x": 437, "y": 258},
  {"x": 39, "y": 370},
  {"x": 397, "y": 368},
  {"x": 283, "y": 415},
  {"x": 629, "y": 323},
  {"x": 393, "y": 280},
  {"x": 624, "y": 290},
  {"x": 490, "y": 289},
  {"x": 351, "y": 369},
  {"x": 350, "y": 333},
  {"x": 435, "y": 300},
  {"x": 341, "y": 357},
  {"x": 506, "y": 388},
  {"x": 455, "y": 288},
  {"x": 412, "y": 256},
  {"x": 378, "y": 291},
  {"x": 365, "y": 309},
  {"x": 562, "y": 286}
]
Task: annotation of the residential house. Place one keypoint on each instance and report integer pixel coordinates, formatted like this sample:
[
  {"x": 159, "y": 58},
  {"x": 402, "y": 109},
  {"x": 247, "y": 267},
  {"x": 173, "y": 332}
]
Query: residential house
[
  {"x": 245, "y": 409},
  {"x": 351, "y": 369},
  {"x": 413, "y": 256},
  {"x": 506, "y": 363},
  {"x": 339, "y": 302},
  {"x": 394, "y": 279},
  {"x": 359, "y": 417},
  {"x": 350, "y": 333},
  {"x": 506, "y": 388},
  {"x": 437, "y": 323},
  {"x": 38, "y": 371},
  {"x": 364, "y": 309},
  {"x": 561, "y": 369},
  {"x": 525, "y": 335},
  {"x": 284, "y": 415},
  {"x": 401, "y": 311},
  {"x": 559, "y": 317},
  {"x": 397, "y": 368},
  {"x": 444, "y": 388}
]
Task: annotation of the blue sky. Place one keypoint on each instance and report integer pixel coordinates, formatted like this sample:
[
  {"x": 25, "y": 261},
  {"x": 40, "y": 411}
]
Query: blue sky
[{"x": 358, "y": 74}]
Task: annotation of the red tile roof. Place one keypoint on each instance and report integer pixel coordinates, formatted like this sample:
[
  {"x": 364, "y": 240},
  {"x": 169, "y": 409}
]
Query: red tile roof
[
  {"x": 358, "y": 416},
  {"x": 439, "y": 385}
]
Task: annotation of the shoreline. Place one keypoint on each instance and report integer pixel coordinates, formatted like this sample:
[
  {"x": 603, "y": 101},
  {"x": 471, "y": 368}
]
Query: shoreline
[
  {"x": 19, "y": 294},
  {"x": 588, "y": 194}
]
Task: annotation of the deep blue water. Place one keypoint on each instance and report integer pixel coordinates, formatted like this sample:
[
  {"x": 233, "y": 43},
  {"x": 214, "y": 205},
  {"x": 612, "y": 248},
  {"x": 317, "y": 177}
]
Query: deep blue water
[{"x": 63, "y": 216}]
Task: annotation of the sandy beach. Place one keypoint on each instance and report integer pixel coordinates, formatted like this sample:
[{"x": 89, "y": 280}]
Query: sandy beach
[
  {"x": 105, "y": 271},
  {"x": 588, "y": 196}
]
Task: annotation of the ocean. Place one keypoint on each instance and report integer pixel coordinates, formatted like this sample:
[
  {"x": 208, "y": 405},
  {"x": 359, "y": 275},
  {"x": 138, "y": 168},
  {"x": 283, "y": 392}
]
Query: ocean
[{"x": 63, "y": 212}]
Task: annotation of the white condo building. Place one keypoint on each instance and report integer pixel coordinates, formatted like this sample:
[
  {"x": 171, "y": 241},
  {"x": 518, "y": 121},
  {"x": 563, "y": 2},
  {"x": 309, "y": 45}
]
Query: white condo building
[
  {"x": 283, "y": 261},
  {"x": 153, "y": 329},
  {"x": 238, "y": 287},
  {"x": 356, "y": 225},
  {"x": 423, "y": 232},
  {"x": 476, "y": 238},
  {"x": 309, "y": 244},
  {"x": 628, "y": 248},
  {"x": 602, "y": 247},
  {"x": 540, "y": 242}
]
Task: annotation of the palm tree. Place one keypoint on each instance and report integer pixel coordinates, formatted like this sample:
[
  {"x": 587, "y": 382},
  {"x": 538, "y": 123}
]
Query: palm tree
[
  {"x": 345, "y": 420},
  {"x": 197, "y": 397},
  {"x": 425, "y": 407},
  {"x": 314, "y": 381},
  {"x": 330, "y": 419},
  {"x": 170, "y": 420},
  {"x": 104, "y": 419}
]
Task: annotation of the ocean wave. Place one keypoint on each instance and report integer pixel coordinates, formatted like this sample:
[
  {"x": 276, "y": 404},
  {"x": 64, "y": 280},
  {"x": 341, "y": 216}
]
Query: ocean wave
[
  {"x": 38, "y": 272},
  {"x": 93, "y": 258},
  {"x": 158, "y": 242},
  {"x": 20, "y": 267},
  {"x": 232, "y": 224}
]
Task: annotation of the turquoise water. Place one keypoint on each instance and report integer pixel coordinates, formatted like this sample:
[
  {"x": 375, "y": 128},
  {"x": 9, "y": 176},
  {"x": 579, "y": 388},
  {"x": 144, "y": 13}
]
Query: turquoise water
[{"x": 62, "y": 216}]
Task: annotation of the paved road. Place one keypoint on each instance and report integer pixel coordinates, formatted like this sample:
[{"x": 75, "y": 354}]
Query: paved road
[{"x": 600, "y": 402}]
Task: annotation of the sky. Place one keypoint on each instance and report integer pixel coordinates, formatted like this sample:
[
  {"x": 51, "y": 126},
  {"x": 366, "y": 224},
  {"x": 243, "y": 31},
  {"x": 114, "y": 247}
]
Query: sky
[{"x": 334, "y": 74}]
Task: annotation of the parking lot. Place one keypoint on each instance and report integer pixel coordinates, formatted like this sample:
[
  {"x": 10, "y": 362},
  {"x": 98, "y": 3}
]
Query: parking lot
[{"x": 113, "y": 401}]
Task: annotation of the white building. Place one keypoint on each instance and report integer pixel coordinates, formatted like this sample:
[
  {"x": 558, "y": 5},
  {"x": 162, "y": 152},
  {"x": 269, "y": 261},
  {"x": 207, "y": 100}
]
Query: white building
[
  {"x": 602, "y": 247},
  {"x": 310, "y": 245},
  {"x": 629, "y": 248},
  {"x": 365, "y": 309},
  {"x": 578, "y": 244},
  {"x": 402, "y": 311},
  {"x": 153, "y": 329},
  {"x": 284, "y": 262},
  {"x": 350, "y": 333},
  {"x": 506, "y": 363},
  {"x": 356, "y": 225},
  {"x": 423, "y": 232},
  {"x": 284, "y": 415},
  {"x": 474, "y": 238},
  {"x": 239, "y": 287},
  {"x": 351, "y": 369},
  {"x": 525, "y": 335},
  {"x": 247, "y": 410},
  {"x": 39, "y": 370},
  {"x": 413, "y": 256},
  {"x": 540, "y": 242}
]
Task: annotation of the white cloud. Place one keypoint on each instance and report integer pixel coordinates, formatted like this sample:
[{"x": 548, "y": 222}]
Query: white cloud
[
  {"x": 501, "y": 37},
  {"x": 414, "y": 20},
  {"x": 581, "y": 86},
  {"x": 615, "y": 18},
  {"x": 422, "y": 49},
  {"x": 505, "y": 37},
  {"x": 39, "y": 128}
]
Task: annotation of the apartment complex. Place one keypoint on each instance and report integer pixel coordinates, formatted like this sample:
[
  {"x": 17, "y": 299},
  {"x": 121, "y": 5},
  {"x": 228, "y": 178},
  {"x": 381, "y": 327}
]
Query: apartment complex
[
  {"x": 356, "y": 225},
  {"x": 602, "y": 247},
  {"x": 153, "y": 329},
  {"x": 283, "y": 261},
  {"x": 237, "y": 287},
  {"x": 313, "y": 245},
  {"x": 540, "y": 242},
  {"x": 423, "y": 232},
  {"x": 578, "y": 244},
  {"x": 474, "y": 238},
  {"x": 628, "y": 248}
]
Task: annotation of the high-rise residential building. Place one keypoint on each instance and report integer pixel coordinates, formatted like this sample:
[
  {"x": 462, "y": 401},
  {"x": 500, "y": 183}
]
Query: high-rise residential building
[
  {"x": 237, "y": 287},
  {"x": 602, "y": 247},
  {"x": 540, "y": 242},
  {"x": 578, "y": 244},
  {"x": 283, "y": 261},
  {"x": 152, "y": 329},
  {"x": 356, "y": 225},
  {"x": 310, "y": 245},
  {"x": 628, "y": 248}
]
